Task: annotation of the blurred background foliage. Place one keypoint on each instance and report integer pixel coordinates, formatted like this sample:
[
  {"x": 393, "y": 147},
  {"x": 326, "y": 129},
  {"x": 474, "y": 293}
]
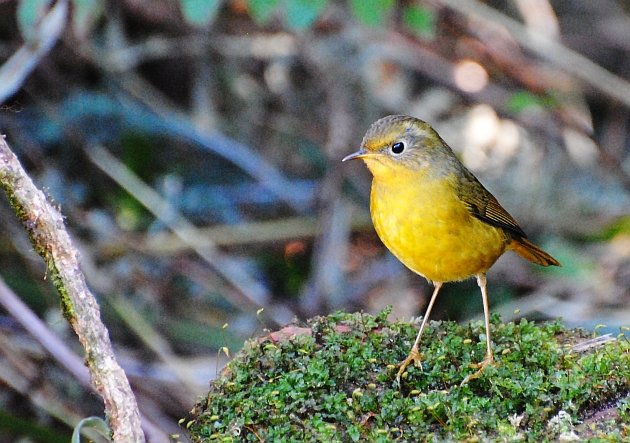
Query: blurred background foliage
[{"x": 194, "y": 147}]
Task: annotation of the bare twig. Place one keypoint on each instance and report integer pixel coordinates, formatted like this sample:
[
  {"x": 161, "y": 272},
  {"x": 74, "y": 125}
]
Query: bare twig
[
  {"x": 179, "y": 125},
  {"x": 255, "y": 293},
  {"x": 21, "y": 64},
  {"x": 592, "y": 343},
  {"x": 31, "y": 322},
  {"x": 45, "y": 226},
  {"x": 551, "y": 50},
  {"x": 157, "y": 343},
  {"x": 62, "y": 353},
  {"x": 250, "y": 232},
  {"x": 331, "y": 244}
]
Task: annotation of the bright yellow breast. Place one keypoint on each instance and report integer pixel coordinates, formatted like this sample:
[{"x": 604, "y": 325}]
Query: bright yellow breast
[{"x": 425, "y": 225}]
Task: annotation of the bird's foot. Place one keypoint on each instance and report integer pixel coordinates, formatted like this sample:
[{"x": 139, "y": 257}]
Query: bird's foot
[
  {"x": 487, "y": 361},
  {"x": 415, "y": 357}
]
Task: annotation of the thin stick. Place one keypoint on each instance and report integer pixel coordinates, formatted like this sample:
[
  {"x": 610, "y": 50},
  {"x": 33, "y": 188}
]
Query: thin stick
[
  {"x": 45, "y": 227},
  {"x": 17, "y": 68},
  {"x": 552, "y": 50},
  {"x": 256, "y": 294}
]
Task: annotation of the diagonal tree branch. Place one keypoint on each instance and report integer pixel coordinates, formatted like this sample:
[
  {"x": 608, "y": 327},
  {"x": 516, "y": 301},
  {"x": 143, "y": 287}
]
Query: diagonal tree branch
[
  {"x": 14, "y": 71},
  {"x": 553, "y": 51},
  {"x": 45, "y": 227}
]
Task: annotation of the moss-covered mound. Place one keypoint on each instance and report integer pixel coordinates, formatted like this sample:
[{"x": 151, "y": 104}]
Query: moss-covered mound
[{"x": 335, "y": 380}]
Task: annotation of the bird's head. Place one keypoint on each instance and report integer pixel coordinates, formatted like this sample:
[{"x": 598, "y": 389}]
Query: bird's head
[{"x": 399, "y": 143}]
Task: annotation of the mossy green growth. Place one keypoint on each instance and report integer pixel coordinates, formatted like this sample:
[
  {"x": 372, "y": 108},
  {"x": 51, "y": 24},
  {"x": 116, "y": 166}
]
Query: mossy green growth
[{"x": 335, "y": 380}]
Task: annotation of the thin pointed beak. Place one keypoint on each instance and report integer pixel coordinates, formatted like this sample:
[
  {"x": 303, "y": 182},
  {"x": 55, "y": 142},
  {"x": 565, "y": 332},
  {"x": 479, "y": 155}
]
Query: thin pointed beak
[{"x": 360, "y": 153}]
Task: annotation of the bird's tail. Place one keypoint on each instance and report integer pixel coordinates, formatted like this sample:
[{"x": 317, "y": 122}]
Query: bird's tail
[{"x": 531, "y": 252}]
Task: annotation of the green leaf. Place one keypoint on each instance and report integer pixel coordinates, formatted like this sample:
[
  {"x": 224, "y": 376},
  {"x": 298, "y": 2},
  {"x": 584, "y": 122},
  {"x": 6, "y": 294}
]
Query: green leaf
[
  {"x": 420, "y": 20},
  {"x": 29, "y": 13},
  {"x": 261, "y": 10},
  {"x": 86, "y": 13},
  {"x": 522, "y": 100},
  {"x": 300, "y": 14},
  {"x": 621, "y": 226},
  {"x": 199, "y": 12},
  {"x": 371, "y": 12},
  {"x": 96, "y": 423}
]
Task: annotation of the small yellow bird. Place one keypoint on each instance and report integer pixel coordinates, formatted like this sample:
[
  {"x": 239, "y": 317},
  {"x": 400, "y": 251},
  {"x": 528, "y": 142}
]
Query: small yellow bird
[{"x": 434, "y": 215}]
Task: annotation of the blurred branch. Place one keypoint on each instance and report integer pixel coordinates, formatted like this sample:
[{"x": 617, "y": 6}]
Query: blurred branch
[
  {"x": 45, "y": 227},
  {"x": 62, "y": 354},
  {"x": 202, "y": 97},
  {"x": 408, "y": 53},
  {"x": 31, "y": 322},
  {"x": 547, "y": 301},
  {"x": 15, "y": 70},
  {"x": 430, "y": 63},
  {"x": 613, "y": 139},
  {"x": 154, "y": 48},
  {"x": 240, "y": 154},
  {"x": 154, "y": 341},
  {"x": 551, "y": 50},
  {"x": 40, "y": 395},
  {"x": 256, "y": 295},
  {"x": 331, "y": 245},
  {"x": 249, "y": 232}
]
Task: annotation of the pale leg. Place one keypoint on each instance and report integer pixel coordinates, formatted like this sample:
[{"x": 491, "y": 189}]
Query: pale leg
[
  {"x": 414, "y": 355},
  {"x": 481, "y": 281}
]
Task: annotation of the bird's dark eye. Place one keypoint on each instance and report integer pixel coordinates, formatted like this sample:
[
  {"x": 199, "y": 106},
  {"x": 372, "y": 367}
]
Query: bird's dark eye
[{"x": 398, "y": 147}]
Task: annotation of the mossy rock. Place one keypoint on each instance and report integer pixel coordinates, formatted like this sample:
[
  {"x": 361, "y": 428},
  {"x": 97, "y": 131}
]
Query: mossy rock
[{"x": 335, "y": 380}]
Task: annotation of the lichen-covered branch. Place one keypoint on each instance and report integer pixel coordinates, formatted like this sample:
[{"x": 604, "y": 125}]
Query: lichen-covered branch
[{"x": 45, "y": 227}]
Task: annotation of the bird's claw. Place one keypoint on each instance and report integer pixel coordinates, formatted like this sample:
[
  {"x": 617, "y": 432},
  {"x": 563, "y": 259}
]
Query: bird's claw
[
  {"x": 414, "y": 356},
  {"x": 487, "y": 361}
]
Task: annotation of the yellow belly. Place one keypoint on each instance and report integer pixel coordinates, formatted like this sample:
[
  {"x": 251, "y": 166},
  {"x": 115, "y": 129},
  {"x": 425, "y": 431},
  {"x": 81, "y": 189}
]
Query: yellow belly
[{"x": 431, "y": 232}]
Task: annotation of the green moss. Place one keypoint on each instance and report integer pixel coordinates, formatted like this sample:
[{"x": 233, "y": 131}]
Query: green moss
[
  {"x": 41, "y": 244},
  {"x": 67, "y": 306},
  {"x": 335, "y": 381}
]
